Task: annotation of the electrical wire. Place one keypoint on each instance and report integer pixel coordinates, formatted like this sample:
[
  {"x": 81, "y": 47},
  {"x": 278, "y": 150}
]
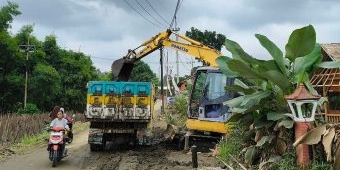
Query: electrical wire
[
  {"x": 149, "y": 13},
  {"x": 164, "y": 8},
  {"x": 148, "y": 62},
  {"x": 142, "y": 15},
  {"x": 185, "y": 67},
  {"x": 103, "y": 58},
  {"x": 156, "y": 12},
  {"x": 176, "y": 10}
]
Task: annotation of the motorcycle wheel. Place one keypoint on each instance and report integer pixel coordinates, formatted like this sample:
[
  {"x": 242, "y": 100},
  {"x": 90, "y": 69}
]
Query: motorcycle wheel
[
  {"x": 70, "y": 140},
  {"x": 55, "y": 158}
]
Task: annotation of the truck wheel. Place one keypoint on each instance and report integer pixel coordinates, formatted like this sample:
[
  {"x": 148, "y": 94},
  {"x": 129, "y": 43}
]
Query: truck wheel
[
  {"x": 93, "y": 147},
  {"x": 180, "y": 144},
  {"x": 96, "y": 147}
]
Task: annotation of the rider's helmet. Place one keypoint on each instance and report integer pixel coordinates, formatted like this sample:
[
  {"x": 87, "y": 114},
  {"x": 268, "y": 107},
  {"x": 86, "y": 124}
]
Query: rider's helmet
[
  {"x": 64, "y": 114},
  {"x": 62, "y": 109}
]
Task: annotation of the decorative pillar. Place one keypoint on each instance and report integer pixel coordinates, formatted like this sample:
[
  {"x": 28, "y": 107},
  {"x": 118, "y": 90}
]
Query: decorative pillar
[{"x": 303, "y": 107}]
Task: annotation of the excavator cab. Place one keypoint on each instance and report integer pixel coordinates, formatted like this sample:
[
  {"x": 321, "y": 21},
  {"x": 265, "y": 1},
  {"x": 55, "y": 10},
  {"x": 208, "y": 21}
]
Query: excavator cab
[{"x": 206, "y": 109}]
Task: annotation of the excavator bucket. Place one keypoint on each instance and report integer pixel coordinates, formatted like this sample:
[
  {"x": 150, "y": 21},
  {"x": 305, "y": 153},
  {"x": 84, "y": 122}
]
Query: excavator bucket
[
  {"x": 121, "y": 69},
  {"x": 170, "y": 132}
]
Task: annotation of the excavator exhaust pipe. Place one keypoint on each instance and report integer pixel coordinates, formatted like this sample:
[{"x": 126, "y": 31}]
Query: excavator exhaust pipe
[{"x": 121, "y": 69}]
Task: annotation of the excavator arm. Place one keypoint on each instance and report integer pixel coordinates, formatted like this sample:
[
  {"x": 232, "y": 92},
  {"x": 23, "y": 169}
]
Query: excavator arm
[{"x": 122, "y": 68}]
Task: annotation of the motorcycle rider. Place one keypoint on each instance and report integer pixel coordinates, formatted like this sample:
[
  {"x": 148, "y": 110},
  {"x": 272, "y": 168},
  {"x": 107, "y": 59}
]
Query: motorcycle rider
[
  {"x": 53, "y": 113},
  {"x": 60, "y": 122},
  {"x": 69, "y": 123}
]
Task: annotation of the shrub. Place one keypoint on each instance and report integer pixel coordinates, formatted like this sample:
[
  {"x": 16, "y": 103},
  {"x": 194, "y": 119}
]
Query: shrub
[
  {"x": 232, "y": 145},
  {"x": 178, "y": 112},
  {"x": 29, "y": 109}
]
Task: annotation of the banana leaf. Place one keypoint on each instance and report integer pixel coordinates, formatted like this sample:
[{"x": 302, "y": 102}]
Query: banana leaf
[
  {"x": 301, "y": 42},
  {"x": 274, "y": 51},
  {"x": 329, "y": 64},
  {"x": 222, "y": 64}
]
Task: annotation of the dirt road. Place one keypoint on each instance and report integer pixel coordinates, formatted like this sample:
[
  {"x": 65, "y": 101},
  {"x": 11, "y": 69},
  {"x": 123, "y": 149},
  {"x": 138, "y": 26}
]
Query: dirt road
[{"x": 157, "y": 157}]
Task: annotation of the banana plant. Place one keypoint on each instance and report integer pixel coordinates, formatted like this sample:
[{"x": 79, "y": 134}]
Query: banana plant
[{"x": 262, "y": 84}]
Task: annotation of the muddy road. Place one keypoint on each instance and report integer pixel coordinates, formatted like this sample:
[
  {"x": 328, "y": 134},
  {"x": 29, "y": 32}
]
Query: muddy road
[{"x": 161, "y": 156}]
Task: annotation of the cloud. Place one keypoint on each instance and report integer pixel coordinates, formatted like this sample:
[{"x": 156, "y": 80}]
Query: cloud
[{"x": 106, "y": 29}]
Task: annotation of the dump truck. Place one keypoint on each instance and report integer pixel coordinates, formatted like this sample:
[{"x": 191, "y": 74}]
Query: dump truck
[{"x": 119, "y": 112}]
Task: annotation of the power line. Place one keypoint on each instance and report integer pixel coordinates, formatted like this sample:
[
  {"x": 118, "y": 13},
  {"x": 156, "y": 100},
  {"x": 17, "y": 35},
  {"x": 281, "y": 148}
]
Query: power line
[
  {"x": 142, "y": 15},
  {"x": 191, "y": 62},
  {"x": 103, "y": 58},
  {"x": 180, "y": 4},
  {"x": 156, "y": 12},
  {"x": 176, "y": 10},
  {"x": 164, "y": 7},
  {"x": 149, "y": 13},
  {"x": 150, "y": 62}
]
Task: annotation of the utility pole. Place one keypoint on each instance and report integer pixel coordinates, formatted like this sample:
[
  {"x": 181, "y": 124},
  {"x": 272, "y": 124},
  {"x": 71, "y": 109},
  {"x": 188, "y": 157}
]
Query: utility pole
[
  {"x": 177, "y": 65},
  {"x": 162, "y": 82},
  {"x": 27, "y": 49},
  {"x": 176, "y": 29}
]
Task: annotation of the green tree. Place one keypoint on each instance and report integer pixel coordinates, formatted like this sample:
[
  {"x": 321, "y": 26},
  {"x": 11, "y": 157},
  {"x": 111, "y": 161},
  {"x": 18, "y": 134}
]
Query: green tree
[
  {"x": 45, "y": 86},
  {"x": 105, "y": 76},
  {"x": 142, "y": 72},
  {"x": 56, "y": 76},
  {"x": 7, "y": 13},
  {"x": 208, "y": 38},
  {"x": 76, "y": 70},
  {"x": 51, "y": 49},
  {"x": 10, "y": 81}
]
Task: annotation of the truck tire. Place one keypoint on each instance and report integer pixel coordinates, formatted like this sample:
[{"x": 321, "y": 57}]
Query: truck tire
[{"x": 96, "y": 147}]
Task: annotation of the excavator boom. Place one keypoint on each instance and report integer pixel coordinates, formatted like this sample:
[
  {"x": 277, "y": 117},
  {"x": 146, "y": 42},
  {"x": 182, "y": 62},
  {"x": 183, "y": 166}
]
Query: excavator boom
[{"x": 122, "y": 68}]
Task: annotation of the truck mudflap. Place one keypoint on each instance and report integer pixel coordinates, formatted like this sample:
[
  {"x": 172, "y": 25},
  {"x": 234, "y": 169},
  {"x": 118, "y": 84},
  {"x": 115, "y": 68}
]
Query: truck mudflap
[
  {"x": 95, "y": 136},
  {"x": 144, "y": 137}
]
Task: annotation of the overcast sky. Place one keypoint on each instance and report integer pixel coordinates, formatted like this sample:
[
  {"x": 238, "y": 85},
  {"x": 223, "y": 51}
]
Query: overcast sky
[{"x": 106, "y": 29}]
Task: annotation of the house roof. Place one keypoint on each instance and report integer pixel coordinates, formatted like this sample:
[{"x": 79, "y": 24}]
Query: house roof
[
  {"x": 332, "y": 50},
  {"x": 328, "y": 77},
  {"x": 301, "y": 93}
]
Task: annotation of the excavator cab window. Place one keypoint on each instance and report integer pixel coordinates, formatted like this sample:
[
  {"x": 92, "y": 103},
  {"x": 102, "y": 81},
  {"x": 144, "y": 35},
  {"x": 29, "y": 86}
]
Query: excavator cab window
[
  {"x": 197, "y": 92},
  {"x": 208, "y": 95},
  {"x": 214, "y": 86}
]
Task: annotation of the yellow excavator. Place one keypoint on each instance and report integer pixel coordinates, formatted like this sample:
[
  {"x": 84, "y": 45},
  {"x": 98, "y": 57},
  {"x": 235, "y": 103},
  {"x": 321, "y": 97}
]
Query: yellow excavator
[{"x": 207, "y": 109}]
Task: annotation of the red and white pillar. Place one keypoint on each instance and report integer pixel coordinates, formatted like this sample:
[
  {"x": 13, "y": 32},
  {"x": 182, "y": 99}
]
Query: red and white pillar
[{"x": 302, "y": 150}]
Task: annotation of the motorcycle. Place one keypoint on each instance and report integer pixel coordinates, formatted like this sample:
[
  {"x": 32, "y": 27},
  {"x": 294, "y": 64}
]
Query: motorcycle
[
  {"x": 56, "y": 145},
  {"x": 70, "y": 132},
  {"x": 70, "y": 124}
]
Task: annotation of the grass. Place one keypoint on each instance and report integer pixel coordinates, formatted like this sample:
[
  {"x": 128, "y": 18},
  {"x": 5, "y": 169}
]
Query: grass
[
  {"x": 231, "y": 146},
  {"x": 288, "y": 162}
]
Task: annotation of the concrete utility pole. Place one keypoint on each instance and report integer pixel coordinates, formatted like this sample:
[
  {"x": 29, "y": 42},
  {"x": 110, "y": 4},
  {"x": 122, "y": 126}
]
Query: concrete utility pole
[
  {"x": 27, "y": 49},
  {"x": 162, "y": 83},
  {"x": 175, "y": 29},
  {"x": 177, "y": 65}
]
